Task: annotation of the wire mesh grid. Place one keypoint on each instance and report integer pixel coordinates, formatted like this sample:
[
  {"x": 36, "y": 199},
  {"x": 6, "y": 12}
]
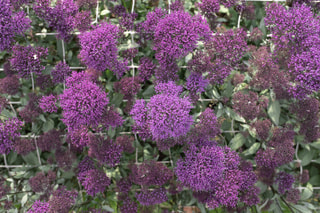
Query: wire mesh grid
[{"x": 132, "y": 67}]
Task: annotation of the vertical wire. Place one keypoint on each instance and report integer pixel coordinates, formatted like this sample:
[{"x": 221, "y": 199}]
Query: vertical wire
[
  {"x": 5, "y": 161},
  {"x": 38, "y": 153},
  {"x": 300, "y": 165}
]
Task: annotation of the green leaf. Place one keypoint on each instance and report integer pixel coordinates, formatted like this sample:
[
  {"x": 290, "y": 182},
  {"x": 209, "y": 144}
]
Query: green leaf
[
  {"x": 316, "y": 144},
  {"x": 48, "y": 125},
  {"x": 306, "y": 156},
  {"x": 237, "y": 141},
  {"x": 108, "y": 208},
  {"x": 302, "y": 209},
  {"x": 116, "y": 99},
  {"x": 104, "y": 12},
  {"x": 31, "y": 158},
  {"x": 148, "y": 92},
  {"x": 274, "y": 111},
  {"x": 252, "y": 150},
  {"x": 307, "y": 192},
  {"x": 42, "y": 118},
  {"x": 24, "y": 199}
]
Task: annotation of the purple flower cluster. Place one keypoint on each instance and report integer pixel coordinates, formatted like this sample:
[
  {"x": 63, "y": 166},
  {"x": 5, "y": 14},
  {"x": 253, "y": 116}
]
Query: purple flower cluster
[
  {"x": 307, "y": 112},
  {"x": 42, "y": 182},
  {"x": 61, "y": 17},
  {"x": 262, "y": 128},
  {"x": 128, "y": 86},
  {"x": 175, "y": 36},
  {"x": 95, "y": 181},
  {"x": 24, "y": 146},
  {"x": 225, "y": 50},
  {"x": 60, "y": 72},
  {"x": 249, "y": 106},
  {"x": 104, "y": 150},
  {"x": 39, "y": 207},
  {"x": 9, "y": 131},
  {"x": 27, "y": 60},
  {"x": 295, "y": 34},
  {"x": 9, "y": 84},
  {"x": 99, "y": 49},
  {"x": 146, "y": 68},
  {"x": 196, "y": 83},
  {"x": 129, "y": 206},
  {"x": 126, "y": 143},
  {"x": 83, "y": 21},
  {"x": 48, "y": 103},
  {"x": 284, "y": 181},
  {"x": 150, "y": 173},
  {"x": 87, "y": 4},
  {"x": 152, "y": 197},
  {"x": 64, "y": 158},
  {"x": 50, "y": 140},
  {"x": 62, "y": 200},
  {"x": 166, "y": 115},
  {"x": 217, "y": 176},
  {"x": 209, "y": 8},
  {"x": 83, "y": 102},
  {"x": 12, "y": 24},
  {"x": 32, "y": 110}
]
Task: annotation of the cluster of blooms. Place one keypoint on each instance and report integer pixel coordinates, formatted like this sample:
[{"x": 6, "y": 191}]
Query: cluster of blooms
[
  {"x": 177, "y": 6},
  {"x": 24, "y": 146},
  {"x": 262, "y": 128},
  {"x": 266, "y": 73},
  {"x": 284, "y": 181},
  {"x": 12, "y": 24},
  {"x": 50, "y": 140},
  {"x": 196, "y": 83},
  {"x": 83, "y": 21},
  {"x": 125, "y": 19},
  {"x": 32, "y": 110},
  {"x": 95, "y": 181},
  {"x": 130, "y": 53},
  {"x": 9, "y": 131},
  {"x": 126, "y": 143},
  {"x": 27, "y": 60},
  {"x": 61, "y": 17},
  {"x": 104, "y": 150},
  {"x": 249, "y": 106},
  {"x": 129, "y": 206},
  {"x": 62, "y": 200},
  {"x": 152, "y": 197},
  {"x": 42, "y": 182},
  {"x": 44, "y": 82},
  {"x": 166, "y": 115},
  {"x": 83, "y": 102},
  {"x": 128, "y": 86},
  {"x": 60, "y": 72},
  {"x": 87, "y": 4},
  {"x": 48, "y": 103},
  {"x": 225, "y": 50},
  {"x": 217, "y": 176},
  {"x": 279, "y": 151},
  {"x": 146, "y": 68},
  {"x": 150, "y": 173},
  {"x": 39, "y": 207},
  {"x": 295, "y": 34},
  {"x": 99, "y": 49},
  {"x": 64, "y": 158},
  {"x": 9, "y": 85},
  {"x": 307, "y": 112}
]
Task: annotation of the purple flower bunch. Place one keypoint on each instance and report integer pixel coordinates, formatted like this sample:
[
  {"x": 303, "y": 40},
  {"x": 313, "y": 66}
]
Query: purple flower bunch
[
  {"x": 166, "y": 115},
  {"x": 48, "y": 103},
  {"x": 99, "y": 49},
  {"x": 9, "y": 131},
  {"x": 83, "y": 102},
  {"x": 152, "y": 197},
  {"x": 27, "y": 60},
  {"x": 12, "y": 24},
  {"x": 104, "y": 150},
  {"x": 60, "y": 72},
  {"x": 61, "y": 17},
  {"x": 217, "y": 176},
  {"x": 295, "y": 34}
]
